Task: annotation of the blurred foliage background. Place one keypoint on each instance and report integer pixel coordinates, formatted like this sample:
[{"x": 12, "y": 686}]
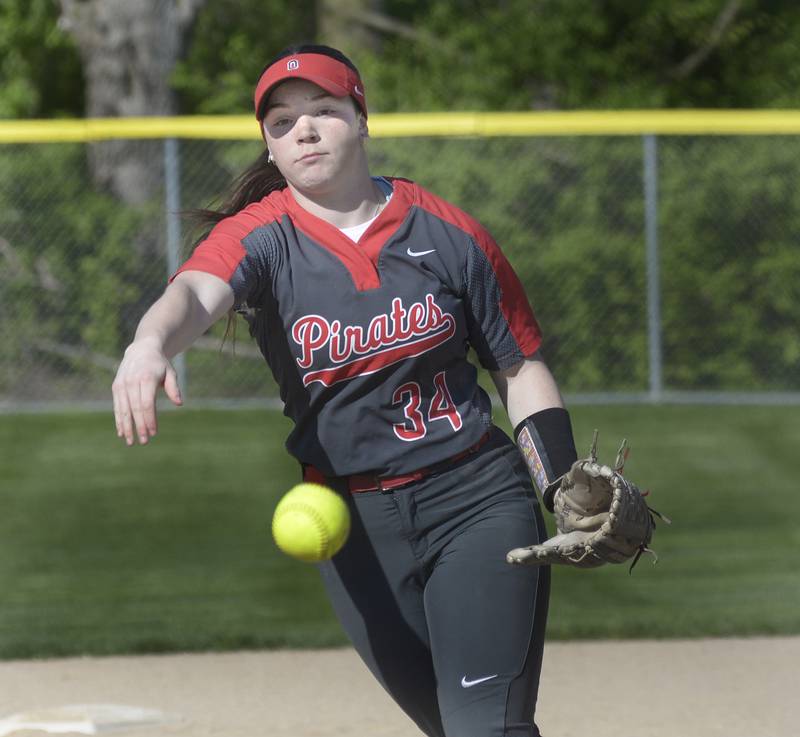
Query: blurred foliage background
[
  {"x": 82, "y": 225},
  {"x": 444, "y": 54}
]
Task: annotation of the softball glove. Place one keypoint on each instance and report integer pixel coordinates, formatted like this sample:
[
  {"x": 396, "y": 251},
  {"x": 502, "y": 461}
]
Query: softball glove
[{"x": 601, "y": 517}]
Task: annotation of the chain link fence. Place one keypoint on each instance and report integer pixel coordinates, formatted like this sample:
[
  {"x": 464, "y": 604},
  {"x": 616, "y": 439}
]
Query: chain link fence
[{"x": 661, "y": 268}]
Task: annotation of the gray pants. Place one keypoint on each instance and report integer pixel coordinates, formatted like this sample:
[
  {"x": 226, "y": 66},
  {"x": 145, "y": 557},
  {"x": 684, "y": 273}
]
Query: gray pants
[{"x": 452, "y": 632}]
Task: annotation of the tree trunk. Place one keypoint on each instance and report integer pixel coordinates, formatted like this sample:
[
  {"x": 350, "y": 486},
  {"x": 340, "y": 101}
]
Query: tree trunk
[{"x": 129, "y": 48}]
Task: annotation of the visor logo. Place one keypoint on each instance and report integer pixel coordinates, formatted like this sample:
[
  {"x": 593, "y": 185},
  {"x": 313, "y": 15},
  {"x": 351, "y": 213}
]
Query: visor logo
[
  {"x": 292, "y": 65},
  {"x": 358, "y": 91}
]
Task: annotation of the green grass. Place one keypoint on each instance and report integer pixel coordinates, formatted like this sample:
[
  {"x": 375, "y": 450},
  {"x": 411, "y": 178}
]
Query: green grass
[{"x": 108, "y": 549}]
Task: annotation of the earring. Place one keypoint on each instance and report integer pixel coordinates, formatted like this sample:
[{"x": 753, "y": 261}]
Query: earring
[{"x": 270, "y": 157}]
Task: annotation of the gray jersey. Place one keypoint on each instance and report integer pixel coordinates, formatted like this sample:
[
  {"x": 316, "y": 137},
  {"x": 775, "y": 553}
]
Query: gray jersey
[{"x": 368, "y": 342}]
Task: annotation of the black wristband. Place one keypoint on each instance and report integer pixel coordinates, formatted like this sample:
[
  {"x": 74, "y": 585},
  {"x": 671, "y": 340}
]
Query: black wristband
[{"x": 546, "y": 442}]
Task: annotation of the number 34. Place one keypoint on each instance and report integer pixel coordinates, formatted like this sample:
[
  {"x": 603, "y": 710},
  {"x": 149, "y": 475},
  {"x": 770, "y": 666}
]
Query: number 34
[{"x": 441, "y": 407}]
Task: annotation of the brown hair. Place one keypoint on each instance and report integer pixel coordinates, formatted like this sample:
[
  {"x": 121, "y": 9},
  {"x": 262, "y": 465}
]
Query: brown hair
[{"x": 252, "y": 185}]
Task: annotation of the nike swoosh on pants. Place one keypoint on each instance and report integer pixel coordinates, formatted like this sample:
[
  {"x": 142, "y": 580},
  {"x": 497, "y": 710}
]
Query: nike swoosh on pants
[{"x": 468, "y": 684}]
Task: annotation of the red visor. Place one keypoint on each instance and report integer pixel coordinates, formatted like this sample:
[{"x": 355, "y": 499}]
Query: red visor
[{"x": 330, "y": 74}]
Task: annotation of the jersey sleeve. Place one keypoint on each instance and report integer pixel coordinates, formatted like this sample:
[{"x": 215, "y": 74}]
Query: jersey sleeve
[
  {"x": 502, "y": 327},
  {"x": 239, "y": 250}
]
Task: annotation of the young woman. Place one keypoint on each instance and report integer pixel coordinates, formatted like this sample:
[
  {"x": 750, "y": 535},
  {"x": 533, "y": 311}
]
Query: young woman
[{"x": 364, "y": 294}]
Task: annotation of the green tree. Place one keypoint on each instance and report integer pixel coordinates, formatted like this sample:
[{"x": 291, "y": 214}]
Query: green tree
[
  {"x": 228, "y": 46},
  {"x": 568, "y": 54},
  {"x": 454, "y": 54},
  {"x": 40, "y": 70}
]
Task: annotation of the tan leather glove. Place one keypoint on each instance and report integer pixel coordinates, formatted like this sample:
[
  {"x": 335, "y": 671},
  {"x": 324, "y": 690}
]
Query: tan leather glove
[{"x": 601, "y": 517}]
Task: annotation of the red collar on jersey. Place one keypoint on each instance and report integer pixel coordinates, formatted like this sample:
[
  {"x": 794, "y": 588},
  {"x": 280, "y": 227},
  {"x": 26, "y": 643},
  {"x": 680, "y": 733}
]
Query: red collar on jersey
[{"x": 324, "y": 71}]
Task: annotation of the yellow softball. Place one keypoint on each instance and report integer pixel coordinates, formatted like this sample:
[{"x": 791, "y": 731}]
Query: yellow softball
[{"x": 311, "y": 523}]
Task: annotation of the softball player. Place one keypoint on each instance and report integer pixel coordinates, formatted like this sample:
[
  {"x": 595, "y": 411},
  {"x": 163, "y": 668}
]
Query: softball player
[{"x": 364, "y": 294}]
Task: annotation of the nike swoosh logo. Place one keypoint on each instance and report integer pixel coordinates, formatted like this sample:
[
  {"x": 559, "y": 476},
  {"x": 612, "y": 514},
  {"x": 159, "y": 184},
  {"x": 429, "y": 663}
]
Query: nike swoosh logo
[
  {"x": 419, "y": 253},
  {"x": 468, "y": 684}
]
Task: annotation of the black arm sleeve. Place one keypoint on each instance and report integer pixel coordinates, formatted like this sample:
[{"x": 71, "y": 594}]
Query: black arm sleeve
[{"x": 545, "y": 441}]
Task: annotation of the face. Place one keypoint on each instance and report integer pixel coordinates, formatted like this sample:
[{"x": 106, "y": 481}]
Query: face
[{"x": 316, "y": 139}]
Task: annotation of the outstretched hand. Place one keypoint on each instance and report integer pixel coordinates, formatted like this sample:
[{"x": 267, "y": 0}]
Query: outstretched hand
[{"x": 143, "y": 370}]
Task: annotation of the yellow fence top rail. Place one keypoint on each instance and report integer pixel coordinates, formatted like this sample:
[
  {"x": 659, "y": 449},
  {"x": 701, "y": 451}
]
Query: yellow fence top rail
[{"x": 402, "y": 125}]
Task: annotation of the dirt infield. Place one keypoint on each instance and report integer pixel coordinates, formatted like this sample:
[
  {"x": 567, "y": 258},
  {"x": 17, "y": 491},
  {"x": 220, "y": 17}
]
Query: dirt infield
[{"x": 674, "y": 688}]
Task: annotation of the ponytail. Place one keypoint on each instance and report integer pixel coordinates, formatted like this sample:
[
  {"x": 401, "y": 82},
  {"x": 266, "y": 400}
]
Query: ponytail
[{"x": 252, "y": 185}]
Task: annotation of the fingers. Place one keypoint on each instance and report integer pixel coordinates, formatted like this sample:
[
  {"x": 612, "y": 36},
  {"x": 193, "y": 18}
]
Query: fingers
[
  {"x": 117, "y": 412},
  {"x": 123, "y": 418},
  {"x": 134, "y": 392},
  {"x": 171, "y": 387},
  {"x": 130, "y": 416},
  {"x": 144, "y": 408}
]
